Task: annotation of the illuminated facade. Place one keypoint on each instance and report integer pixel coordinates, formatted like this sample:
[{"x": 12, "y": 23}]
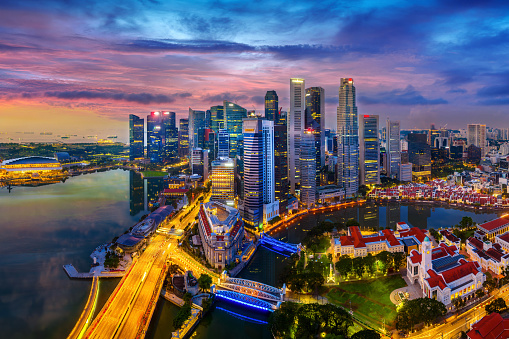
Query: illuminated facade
[
  {"x": 271, "y": 106},
  {"x": 282, "y": 184},
  {"x": 296, "y": 122},
  {"x": 216, "y": 118},
  {"x": 348, "y": 138},
  {"x": 307, "y": 161},
  {"x": 223, "y": 173},
  {"x": 162, "y": 137},
  {"x": 200, "y": 162},
  {"x": 369, "y": 150},
  {"x": 221, "y": 231},
  {"x": 223, "y": 144},
  {"x": 315, "y": 119},
  {"x": 197, "y": 125},
  {"x": 419, "y": 155},
  {"x": 33, "y": 166},
  {"x": 393, "y": 148},
  {"x": 233, "y": 115},
  {"x": 136, "y": 137},
  {"x": 183, "y": 138}
]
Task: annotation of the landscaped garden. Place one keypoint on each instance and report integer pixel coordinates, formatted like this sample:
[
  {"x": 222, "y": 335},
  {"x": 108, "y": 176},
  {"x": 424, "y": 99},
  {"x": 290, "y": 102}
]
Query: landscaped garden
[{"x": 370, "y": 299}]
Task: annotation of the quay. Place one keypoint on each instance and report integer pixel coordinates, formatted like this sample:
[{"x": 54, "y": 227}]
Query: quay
[{"x": 73, "y": 273}]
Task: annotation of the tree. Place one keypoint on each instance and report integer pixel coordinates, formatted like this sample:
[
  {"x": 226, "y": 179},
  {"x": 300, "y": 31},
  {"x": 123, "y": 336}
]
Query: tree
[
  {"x": 314, "y": 280},
  {"x": 187, "y": 297},
  {"x": 369, "y": 263},
  {"x": 498, "y": 305},
  {"x": 385, "y": 261},
  {"x": 352, "y": 222},
  {"x": 366, "y": 334},
  {"x": 344, "y": 266},
  {"x": 490, "y": 283},
  {"x": 418, "y": 310},
  {"x": 479, "y": 293},
  {"x": 458, "y": 303},
  {"x": 282, "y": 320},
  {"x": 399, "y": 260},
  {"x": 363, "y": 190},
  {"x": 358, "y": 266},
  {"x": 466, "y": 222},
  {"x": 204, "y": 282}
]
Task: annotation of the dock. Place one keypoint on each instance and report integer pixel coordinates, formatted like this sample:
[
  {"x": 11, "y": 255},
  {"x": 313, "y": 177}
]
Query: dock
[{"x": 73, "y": 273}]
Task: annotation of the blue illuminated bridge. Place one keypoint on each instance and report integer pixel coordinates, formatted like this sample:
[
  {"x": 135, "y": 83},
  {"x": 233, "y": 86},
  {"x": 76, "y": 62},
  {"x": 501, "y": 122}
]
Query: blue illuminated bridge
[{"x": 281, "y": 247}]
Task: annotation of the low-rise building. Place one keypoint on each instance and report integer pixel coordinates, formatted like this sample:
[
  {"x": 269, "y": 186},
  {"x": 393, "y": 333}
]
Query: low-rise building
[
  {"x": 491, "y": 326},
  {"x": 450, "y": 239},
  {"x": 495, "y": 227},
  {"x": 355, "y": 244},
  {"x": 33, "y": 166},
  {"x": 490, "y": 256},
  {"x": 329, "y": 193},
  {"x": 221, "y": 231}
]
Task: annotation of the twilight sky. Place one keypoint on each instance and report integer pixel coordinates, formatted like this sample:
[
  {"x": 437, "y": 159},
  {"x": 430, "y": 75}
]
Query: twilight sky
[{"x": 81, "y": 67}]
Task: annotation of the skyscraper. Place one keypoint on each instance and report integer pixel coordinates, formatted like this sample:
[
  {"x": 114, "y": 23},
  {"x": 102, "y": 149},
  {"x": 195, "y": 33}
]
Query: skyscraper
[
  {"x": 296, "y": 121},
  {"x": 223, "y": 189},
  {"x": 307, "y": 161},
  {"x": 393, "y": 148},
  {"x": 419, "y": 154},
  {"x": 315, "y": 120},
  {"x": 136, "y": 137},
  {"x": 223, "y": 144},
  {"x": 281, "y": 166},
  {"x": 184, "y": 138},
  {"x": 197, "y": 124},
  {"x": 476, "y": 135},
  {"x": 369, "y": 150},
  {"x": 259, "y": 203},
  {"x": 233, "y": 115},
  {"x": 216, "y": 118},
  {"x": 200, "y": 162},
  {"x": 271, "y": 106},
  {"x": 348, "y": 138},
  {"x": 162, "y": 139}
]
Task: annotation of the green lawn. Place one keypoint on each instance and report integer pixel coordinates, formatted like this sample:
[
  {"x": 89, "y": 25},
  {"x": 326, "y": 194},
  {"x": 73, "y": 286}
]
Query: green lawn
[
  {"x": 370, "y": 299},
  {"x": 152, "y": 174}
]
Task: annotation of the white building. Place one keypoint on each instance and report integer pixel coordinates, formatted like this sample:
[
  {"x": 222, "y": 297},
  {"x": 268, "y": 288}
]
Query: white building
[
  {"x": 296, "y": 122},
  {"x": 405, "y": 172},
  {"x": 476, "y": 135}
]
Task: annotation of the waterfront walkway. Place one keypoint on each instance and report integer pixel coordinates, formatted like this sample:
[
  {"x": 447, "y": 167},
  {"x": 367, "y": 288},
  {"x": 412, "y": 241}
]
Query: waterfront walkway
[
  {"x": 84, "y": 320},
  {"x": 73, "y": 273}
]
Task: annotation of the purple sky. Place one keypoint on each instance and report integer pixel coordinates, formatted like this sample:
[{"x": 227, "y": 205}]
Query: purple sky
[{"x": 81, "y": 67}]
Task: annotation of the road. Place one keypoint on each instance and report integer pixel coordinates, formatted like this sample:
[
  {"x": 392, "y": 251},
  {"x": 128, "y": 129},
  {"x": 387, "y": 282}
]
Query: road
[
  {"x": 457, "y": 324},
  {"x": 122, "y": 315},
  {"x": 88, "y": 312}
]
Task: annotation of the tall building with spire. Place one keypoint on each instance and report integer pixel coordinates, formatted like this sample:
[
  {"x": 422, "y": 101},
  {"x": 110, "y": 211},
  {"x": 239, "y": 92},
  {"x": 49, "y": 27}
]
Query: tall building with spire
[
  {"x": 348, "y": 138},
  {"x": 315, "y": 120},
  {"x": 296, "y": 122}
]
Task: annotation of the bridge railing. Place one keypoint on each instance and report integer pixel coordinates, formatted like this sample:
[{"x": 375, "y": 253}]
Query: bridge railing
[{"x": 252, "y": 284}]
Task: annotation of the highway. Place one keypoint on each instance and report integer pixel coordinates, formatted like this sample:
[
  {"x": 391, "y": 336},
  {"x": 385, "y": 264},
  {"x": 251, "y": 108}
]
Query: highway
[
  {"x": 85, "y": 317},
  {"x": 457, "y": 324}
]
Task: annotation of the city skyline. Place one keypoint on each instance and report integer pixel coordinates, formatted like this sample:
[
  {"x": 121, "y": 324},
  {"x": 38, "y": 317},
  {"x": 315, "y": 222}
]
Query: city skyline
[{"x": 82, "y": 69}]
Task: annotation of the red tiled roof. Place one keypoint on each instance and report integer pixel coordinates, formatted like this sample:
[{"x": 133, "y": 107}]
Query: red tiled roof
[
  {"x": 504, "y": 237},
  {"x": 476, "y": 243},
  {"x": 492, "y": 326},
  {"x": 346, "y": 240},
  {"x": 459, "y": 272},
  {"x": 493, "y": 224}
]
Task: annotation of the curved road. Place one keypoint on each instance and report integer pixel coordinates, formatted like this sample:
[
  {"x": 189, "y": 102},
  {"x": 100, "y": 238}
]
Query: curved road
[{"x": 83, "y": 321}]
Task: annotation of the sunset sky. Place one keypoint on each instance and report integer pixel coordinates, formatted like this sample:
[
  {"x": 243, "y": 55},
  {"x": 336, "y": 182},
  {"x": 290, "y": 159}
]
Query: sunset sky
[{"x": 81, "y": 67}]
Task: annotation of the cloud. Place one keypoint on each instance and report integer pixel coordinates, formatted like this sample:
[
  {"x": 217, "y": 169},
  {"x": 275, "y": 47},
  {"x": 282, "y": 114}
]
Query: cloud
[
  {"x": 140, "y": 98},
  {"x": 495, "y": 90},
  {"x": 405, "y": 97},
  {"x": 494, "y": 102},
  {"x": 457, "y": 90},
  {"x": 224, "y": 96},
  {"x": 258, "y": 99}
]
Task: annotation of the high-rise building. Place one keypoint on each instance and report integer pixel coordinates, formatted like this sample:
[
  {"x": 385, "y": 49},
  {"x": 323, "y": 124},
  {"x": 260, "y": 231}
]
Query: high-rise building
[
  {"x": 369, "y": 150},
  {"x": 223, "y": 173},
  {"x": 259, "y": 203},
  {"x": 162, "y": 137},
  {"x": 197, "y": 125},
  {"x": 271, "y": 106},
  {"x": 200, "y": 162},
  {"x": 233, "y": 115},
  {"x": 348, "y": 138},
  {"x": 315, "y": 120},
  {"x": 183, "y": 138},
  {"x": 136, "y": 137},
  {"x": 282, "y": 185},
  {"x": 209, "y": 142},
  {"x": 393, "y": 148},
  {"x": 223, "y": 144},
  {"x": 476, "y": 135},
  {"x": 419, "y": 154},
  {"x": 296, "y": 121},
  {"x": 307, "y": 163},
  {"x": 216, "y": 118}
]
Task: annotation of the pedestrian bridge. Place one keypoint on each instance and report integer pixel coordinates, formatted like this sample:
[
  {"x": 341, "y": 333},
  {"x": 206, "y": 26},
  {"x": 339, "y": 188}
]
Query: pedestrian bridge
[
  {"x": 246, "y": 300},
  {"x": 278, "y": 245}
]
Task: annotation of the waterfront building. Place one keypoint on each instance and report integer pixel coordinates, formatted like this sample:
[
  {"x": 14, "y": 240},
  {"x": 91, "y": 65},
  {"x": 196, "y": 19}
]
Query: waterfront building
[
  {"x": 315, "y": 119},
  {"x": 369, "y": 150},
  {"x": 33, "y": 166},
  {"x": 307, "y": 162},
  {"x": 282, "y": 185},
  {"x": 136, "y": 137},
  {"x": 162, "y": 137},
  {"x": 393, "y": 147},
  {"x": 197, "y": 123},
  {"x": 495, "y": 227},
  {"x": 223, "y": 186},
  {"x": 419, "y": 154},
  {"x": 296, "y": 121},
  {"x": 329, "y": 193},
  {"x": 271, "y": 106},
  {"x": 223, "y": 144},
  {"x": 233, "y": 115},
  {"x": 476, "y": 135},
  {"x": 348, "y": 138},
  {"x": 443, "y": 273},
  {"x": 200, "y": 162},
  {"x": 183, "y": 138},
  {"x": 259, "y": 203},
  {"x": 221, "y": 232}
]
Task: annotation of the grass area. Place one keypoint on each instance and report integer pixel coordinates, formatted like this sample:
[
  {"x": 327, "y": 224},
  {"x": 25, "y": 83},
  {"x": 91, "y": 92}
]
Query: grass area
[
  {"x": 152, "y": 174},
  {"x": 370, "y": 299}
]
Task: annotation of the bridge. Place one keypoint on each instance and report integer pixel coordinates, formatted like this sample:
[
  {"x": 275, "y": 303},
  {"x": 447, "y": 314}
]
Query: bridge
[
  {"x": 279, "y": 246},
  {"x": 81, "y": 325},
  {"x": 246, "y": 300}
]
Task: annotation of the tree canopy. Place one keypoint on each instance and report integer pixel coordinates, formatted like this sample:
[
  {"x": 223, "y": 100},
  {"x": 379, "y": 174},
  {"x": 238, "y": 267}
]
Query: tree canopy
[{"x": 414, "y": 311}]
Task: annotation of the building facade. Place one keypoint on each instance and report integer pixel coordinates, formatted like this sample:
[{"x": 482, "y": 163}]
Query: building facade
[
  {"x": 348, "y": 138},
  {"x": 307, "y": 162},
  {"x": 200, "y": 162},
  {"x": 296, "y": 121},
  {"x": 393, "y": 148},
  {"x": 271, "y": 106},
  {"x": 369, "y": 150},
  {"x": 223, "y": 186},
  {"x": 162, "y": 137},
  {"x": 183, "y": 138},
  {"x": 223, "y": 144},
  {"x": 282, "y": 185},
  {"x": 136, "y": 137},
  {"x": 419, "y": 155},
  {"x": 233, "y": 116},
  {"x": 476, "y": 135},
  {"x": 315, "y": 119}
]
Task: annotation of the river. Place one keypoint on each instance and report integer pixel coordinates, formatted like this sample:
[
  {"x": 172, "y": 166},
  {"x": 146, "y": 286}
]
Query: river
[{"x": 45, "y": 227}]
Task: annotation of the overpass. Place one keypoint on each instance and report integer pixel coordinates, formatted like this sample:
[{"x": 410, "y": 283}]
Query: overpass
[{"x": 127, "y": 312}]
